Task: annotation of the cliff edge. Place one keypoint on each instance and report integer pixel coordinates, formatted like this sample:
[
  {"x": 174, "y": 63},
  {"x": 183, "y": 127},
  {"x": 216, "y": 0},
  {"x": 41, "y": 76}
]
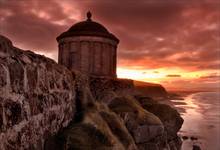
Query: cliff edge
[{"x": 44, "y": 105}]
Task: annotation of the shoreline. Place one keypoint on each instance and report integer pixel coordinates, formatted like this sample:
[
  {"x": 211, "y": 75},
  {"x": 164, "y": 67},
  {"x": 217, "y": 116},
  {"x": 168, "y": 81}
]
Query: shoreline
[
  {"x": 176, "y": 99},
  {"x": 195, "y": 130}
]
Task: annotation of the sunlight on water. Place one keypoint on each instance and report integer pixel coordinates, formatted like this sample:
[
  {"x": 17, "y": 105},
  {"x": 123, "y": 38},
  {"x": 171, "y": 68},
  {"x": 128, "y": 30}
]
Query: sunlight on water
[{"x": 201, "y": 120}]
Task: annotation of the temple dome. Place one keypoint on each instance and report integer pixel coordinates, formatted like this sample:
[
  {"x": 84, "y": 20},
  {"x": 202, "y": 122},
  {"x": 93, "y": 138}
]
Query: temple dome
[{"x": 87, "y": 28}]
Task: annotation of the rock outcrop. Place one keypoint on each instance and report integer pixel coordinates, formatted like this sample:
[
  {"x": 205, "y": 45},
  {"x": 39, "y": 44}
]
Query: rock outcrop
[
  {"x": 152, "y": 90},
  {"x": 170, "y": 118},
  {"x": 153, "y": 126},
  {"x": 44, "y": 105}
]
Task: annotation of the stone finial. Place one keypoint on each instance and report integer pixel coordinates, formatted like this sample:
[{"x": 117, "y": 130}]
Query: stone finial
[{"x": 89, "y": 16}]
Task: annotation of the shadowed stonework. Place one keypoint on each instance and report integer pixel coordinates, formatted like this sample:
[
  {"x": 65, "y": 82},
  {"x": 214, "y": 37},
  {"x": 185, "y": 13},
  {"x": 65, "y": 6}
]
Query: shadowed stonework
[{"x": 88, "y": 47}]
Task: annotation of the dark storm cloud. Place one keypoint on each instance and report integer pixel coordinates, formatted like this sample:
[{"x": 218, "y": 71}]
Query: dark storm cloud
[
  {"x": 173, "y": 75},
  {"x": 164, "y": 30},
  {"x": 153, "y": 34},
  {"x": 211, "y": 76},
  {"x": 214, "y": 66},
  {"x": 136, "y": 22},
  {"x": 31, "y": 23}
]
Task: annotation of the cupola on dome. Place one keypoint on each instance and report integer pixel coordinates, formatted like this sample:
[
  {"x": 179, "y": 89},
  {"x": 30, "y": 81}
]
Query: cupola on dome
[{"x": 88, "y": 27}]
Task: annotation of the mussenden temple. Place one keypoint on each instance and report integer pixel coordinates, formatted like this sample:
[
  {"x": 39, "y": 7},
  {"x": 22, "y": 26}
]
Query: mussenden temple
[{"x": 88, "y": 47}]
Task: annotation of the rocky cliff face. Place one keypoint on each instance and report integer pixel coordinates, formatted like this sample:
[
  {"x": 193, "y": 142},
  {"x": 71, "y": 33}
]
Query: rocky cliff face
[
  {"x": 153, "y": 126},
  {"x": 46, "y": 106}
]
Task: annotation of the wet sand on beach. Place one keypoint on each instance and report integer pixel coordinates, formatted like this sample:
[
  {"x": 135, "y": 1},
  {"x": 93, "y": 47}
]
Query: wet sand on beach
[{"x": 201, "y": 114}]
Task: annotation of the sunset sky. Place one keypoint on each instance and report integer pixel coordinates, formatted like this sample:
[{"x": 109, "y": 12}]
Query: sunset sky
[{"x": 175, "y": 43}]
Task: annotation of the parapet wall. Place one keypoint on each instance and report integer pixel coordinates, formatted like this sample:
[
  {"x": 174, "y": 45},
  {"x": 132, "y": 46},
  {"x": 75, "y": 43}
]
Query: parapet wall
[{"x": 37, "y": 98}]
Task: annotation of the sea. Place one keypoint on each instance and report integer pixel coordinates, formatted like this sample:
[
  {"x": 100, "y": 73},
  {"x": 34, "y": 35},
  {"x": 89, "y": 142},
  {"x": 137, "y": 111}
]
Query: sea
[{"x": 201, "y": 114}]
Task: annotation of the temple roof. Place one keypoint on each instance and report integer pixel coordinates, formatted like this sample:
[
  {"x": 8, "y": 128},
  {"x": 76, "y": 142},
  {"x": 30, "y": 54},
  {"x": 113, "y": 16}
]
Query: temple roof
[{"x": 87, "y": 28}]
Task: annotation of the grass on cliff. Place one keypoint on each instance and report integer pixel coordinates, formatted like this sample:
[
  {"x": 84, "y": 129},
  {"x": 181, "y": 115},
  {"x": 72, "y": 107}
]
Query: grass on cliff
[
  {"x": 99, "y": 129},
  {"x": 83, "y": 136},
  {"x": 80, "y": 136},
  {"x": 111, "y": 125},
  {"x": 117, "y": 128}
]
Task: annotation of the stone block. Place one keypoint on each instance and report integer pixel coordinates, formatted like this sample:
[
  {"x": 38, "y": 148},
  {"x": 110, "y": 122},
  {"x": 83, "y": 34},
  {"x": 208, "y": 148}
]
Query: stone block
[
  {"x": 13, "y": 112},
  {"x": 35, "y": 103},
  {"x": 3, "y": 76},
  {"x": 1, "y": 114},
  {"x": 16, "y": 72},
  {"x": 31, "y": 76}
]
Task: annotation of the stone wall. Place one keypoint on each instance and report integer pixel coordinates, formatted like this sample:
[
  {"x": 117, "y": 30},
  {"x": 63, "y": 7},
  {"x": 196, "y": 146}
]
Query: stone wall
[{"x": 37, "y": 98}]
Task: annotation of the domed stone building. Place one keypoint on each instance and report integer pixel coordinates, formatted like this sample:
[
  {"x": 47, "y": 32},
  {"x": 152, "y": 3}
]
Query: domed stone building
[{"x": 89, "y": 47}]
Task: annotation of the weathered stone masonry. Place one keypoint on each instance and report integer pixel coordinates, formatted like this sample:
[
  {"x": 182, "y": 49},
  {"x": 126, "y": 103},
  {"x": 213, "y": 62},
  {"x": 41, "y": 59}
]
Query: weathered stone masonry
[{"x": 37, "y": 98}]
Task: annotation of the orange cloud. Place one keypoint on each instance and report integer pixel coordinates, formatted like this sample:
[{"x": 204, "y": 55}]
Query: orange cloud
[{"x": 171, "y": 38}]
